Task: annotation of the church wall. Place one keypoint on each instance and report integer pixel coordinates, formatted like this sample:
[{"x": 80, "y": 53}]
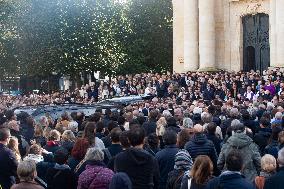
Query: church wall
[
  {"x": 228, "y": 32},
  {"x": 233, "y": 28}
]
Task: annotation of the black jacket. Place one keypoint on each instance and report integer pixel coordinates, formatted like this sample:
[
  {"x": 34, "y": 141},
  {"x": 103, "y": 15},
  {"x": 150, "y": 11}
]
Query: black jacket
[
  {"x": 276, "y": 181},
  {"x": 225, "y": 124},
  {"x": 216, "y": 141},
  {"x": 250, "y": 124},
  {"x": 150, "y": 127},
  {"x": 111, "y": 151},
  {"x": 272, "y": 148},
  {"x": 107, "y": 141},
  {"x": 194, "y": 185},
  {"x": 174, "y": 179},
  {"x": 60, "y": 178},
  {"x": 208, "y": 94},
  {"x": 230, "y": 181},
  {"x": 27, "y": 131},
  {"x": 261, "y": 138},
  {"x": 166, "y": 161},
  {"x": 200, "y": 145},
  {"x": 8, "y": 167},
  {"x": 140, "y": 166},
  {"x": 42, "y": 167}
]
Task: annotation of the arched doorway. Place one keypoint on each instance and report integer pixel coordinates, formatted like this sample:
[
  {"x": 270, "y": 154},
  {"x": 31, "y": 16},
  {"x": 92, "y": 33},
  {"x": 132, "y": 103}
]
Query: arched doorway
[{"x": 256, "y": 42}]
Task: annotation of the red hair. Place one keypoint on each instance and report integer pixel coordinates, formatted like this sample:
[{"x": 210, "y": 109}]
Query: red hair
[{"x": 80, "y": 148}]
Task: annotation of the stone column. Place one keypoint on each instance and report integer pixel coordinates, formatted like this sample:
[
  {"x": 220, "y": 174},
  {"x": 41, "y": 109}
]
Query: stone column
[
  {"x": 273, "y": 34},
  {"x": 207, "y": 35},
  {"x": 178, "y": 36},
  {"x": 191, "y": 56},
  {"x": 280, "y": 32}
]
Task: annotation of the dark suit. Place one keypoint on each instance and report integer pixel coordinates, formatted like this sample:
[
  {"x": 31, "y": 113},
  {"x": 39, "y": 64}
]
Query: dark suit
[{"x": 8, "y": 167}]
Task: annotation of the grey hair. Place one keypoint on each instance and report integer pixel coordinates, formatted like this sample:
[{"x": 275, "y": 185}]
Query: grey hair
[
  {"x": 26, "y": 170},
  {"x": 94, "y": 154},
  {"x": 235, "y": 122},
  {"x": 206, "y": 117},
  {"x": 281, "y": 157},
  {"x": 270, "y": 106},
  {"x": 234, "y": 112},
  {"x": 187, "y": 123},
  {"x": 167, "y": 113}
]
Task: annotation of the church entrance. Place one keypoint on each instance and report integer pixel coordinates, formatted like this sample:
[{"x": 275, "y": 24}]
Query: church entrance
[{"x": 256, "y": 42}]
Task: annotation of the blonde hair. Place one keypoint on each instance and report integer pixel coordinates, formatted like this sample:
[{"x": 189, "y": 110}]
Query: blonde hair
[
  {"x": 35, "y": 149},
  {"x": 161, "y": 124},
  {"x": 54, "y": 135},
  {"x": 46, "y": 132},
  {"x": 38, "y": 131},
  {"x": 26, "y": 170},
  {"x": 68, "y": 135},
  {"x": 14, "y": 146},
  {"x": 268, "y": 163}
]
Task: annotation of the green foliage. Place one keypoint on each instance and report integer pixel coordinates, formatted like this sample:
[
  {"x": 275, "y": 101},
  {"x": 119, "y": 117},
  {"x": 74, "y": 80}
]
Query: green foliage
[
  {"x": 92, "y": 33},
  {"x": 150, "y": 45},
  {"x": 38, "y": 37},
  {"x": 8, "y": 32}
]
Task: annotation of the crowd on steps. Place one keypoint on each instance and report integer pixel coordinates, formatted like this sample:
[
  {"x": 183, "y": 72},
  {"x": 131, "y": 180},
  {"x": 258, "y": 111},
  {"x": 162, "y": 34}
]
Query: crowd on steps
[{"x": 200, "y": 131}]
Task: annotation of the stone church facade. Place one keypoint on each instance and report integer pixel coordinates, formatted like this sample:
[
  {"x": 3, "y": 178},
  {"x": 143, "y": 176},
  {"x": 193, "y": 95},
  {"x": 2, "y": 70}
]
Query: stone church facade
[{"x": 227, "y": 34}]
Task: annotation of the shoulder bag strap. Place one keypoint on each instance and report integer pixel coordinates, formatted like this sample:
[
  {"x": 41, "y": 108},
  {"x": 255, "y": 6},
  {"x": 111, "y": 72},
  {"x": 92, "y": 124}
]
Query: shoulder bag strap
[
  {"x": 107, "y": 153},
  {"x": 189, "y": 183}
]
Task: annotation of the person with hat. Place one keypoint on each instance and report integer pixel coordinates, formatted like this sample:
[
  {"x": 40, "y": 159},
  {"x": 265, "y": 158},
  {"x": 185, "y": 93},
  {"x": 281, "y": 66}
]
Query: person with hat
[
  {"x": 183, "y": 164},
  {"x": 245, "y": 145}
]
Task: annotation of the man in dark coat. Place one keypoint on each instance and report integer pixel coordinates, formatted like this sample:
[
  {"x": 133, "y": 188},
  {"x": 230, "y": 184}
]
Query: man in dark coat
[
  {"x": 115, "y": 146},
  {"x": 208, "y": 93},
  {"x": 140, "y": 166},
  {"x": 60, "y": 176},
  {"x": 8, "y": 162},
  {"x": 161, "y": 88},
  {"x": 172, "y": 125},
  {"x": 232, "y": 178},
  {"x": 262, "y": 137},
  {"x": 166, "y": 157},
  {"x": 276, "y": 181},
  {"x": 27, "y": 128},
  {"x": 200, "y": 145},
  {"x": 150, "y": 126},
  {"x": 211, "y": 135}
]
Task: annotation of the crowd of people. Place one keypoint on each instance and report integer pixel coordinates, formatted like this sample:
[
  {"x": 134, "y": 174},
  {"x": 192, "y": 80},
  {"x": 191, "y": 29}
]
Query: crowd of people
[{"x": 200, "y": 131}]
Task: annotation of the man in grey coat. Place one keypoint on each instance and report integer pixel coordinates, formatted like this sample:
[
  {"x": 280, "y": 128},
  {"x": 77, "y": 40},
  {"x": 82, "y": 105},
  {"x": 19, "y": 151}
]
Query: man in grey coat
[{"x": 246, "y": 147}]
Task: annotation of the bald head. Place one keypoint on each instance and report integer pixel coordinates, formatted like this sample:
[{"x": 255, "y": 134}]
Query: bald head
[{"x": 198, "y": 128}]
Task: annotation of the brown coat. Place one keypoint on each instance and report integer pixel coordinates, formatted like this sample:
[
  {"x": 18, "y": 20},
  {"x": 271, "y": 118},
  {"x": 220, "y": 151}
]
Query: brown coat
[{"x": 27, "y": 185}]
